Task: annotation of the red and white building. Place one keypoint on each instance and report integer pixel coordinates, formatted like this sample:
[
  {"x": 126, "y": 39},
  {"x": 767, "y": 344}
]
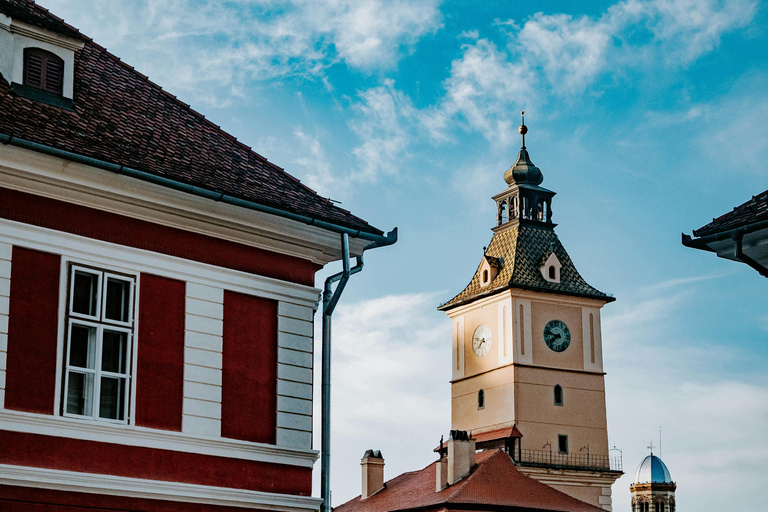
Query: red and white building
[{"x": 157, "y": 293}]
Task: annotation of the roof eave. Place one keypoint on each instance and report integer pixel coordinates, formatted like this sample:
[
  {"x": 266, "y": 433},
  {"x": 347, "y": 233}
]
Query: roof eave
[{"x": 448, "y": 306}]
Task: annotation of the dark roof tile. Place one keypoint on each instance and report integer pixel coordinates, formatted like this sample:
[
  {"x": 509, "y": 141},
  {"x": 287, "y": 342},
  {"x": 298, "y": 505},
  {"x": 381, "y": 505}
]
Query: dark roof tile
[
  {"x": 121, "y": 117},
  {"x": 754, "y": 210}
]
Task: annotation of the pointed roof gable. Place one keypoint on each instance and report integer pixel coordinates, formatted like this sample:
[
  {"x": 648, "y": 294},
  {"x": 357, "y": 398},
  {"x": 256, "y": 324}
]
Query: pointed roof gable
[
  {"x": 521, "y": 249},
  {"x": 494, "y": 482},
  {"x": 119, "y": 116}
]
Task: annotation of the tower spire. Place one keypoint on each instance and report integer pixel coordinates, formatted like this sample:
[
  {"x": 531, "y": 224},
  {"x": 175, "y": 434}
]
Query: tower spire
[{"x": 523, "y": 129}]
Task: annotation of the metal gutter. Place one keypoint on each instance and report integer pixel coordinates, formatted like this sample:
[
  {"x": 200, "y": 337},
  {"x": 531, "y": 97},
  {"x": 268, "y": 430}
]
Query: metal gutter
[
  {"x": 378, "y": 240},
  {"x": 737, "y": 235}
]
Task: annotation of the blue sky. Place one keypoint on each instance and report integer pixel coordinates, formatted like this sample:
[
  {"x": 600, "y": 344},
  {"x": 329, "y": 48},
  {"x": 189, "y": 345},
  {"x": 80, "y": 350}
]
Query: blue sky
[{"x": 647, "y": 117}]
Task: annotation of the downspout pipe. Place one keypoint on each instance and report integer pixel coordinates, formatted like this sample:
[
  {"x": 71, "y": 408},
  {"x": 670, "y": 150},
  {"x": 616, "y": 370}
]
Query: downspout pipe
[
  {"x": 330, "y": 300},
  {"x": 378, "y": 240}
]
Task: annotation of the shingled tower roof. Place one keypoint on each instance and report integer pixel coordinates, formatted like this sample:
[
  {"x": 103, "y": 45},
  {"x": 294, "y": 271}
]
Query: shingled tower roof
[{"x": 523, "y": 240}]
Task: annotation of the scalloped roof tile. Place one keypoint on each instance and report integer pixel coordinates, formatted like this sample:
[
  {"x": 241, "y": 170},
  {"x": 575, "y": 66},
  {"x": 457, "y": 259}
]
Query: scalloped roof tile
[{"x": 520, "y": 250}]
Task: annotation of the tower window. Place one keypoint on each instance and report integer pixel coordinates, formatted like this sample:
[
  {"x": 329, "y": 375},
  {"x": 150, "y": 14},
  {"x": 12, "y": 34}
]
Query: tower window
[
  {"x": 562, "y": 443},
  {"x": 485, "y": 276},
  {"x": 481, "y": 399},
  {"x": 558, "y": 395},
  {"x": 43, "y": 70},
  {"x": 659, "y": 506},
  {"x": 552, "y": 272}
]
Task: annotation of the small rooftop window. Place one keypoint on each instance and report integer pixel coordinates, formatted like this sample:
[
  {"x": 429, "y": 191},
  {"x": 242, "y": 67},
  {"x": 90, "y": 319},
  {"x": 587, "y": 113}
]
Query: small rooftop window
[{"x": 43, "y": 70}]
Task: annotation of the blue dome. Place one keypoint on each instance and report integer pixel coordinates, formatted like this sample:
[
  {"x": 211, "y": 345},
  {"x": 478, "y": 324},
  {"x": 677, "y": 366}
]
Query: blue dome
[{"x": 652, "y": 470}]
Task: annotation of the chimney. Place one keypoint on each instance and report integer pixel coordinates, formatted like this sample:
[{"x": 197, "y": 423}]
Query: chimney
[
  {"x": 373, "y": 473},
  {"x": 441, "y": 469},
  {"x": 461, "y": 455}
]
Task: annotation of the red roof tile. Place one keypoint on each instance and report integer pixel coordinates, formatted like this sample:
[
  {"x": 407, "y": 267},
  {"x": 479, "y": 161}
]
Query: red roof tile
[
  {"x": 123, "y": 118},
  {"x": 754, "y": 210},
  {"x": 494, "y": 482}
]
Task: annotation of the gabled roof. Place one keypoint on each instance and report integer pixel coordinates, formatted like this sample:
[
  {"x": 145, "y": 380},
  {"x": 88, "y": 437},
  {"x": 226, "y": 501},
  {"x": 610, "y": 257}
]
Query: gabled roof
[
  {"x": 751, "y": 212},
  {"x": 494, "y": 483},
  {"x": 521, "y": 250},
  {"x": 121, "y": 117}
]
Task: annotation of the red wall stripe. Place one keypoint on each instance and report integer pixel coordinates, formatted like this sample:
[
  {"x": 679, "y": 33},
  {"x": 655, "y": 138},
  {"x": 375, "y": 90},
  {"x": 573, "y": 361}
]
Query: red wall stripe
[
  {"x": 25, "y": 449},
  {"x": 249, "y": 368},
  {"x": 160, "y": 358},
  {"x": 33, "y": 320},
  {"x": 29, "y": 499},
  {"x": 118, "y": 229}
]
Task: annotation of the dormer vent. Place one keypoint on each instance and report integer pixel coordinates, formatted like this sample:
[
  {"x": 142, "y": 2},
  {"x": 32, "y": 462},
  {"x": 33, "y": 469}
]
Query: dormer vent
[
  {"x": 489, "y": 269},
  {"x": 550, "y": 269}
]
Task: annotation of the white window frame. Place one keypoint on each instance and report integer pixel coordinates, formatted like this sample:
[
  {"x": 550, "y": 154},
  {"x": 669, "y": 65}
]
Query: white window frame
[{"x": 100, "y": 324}]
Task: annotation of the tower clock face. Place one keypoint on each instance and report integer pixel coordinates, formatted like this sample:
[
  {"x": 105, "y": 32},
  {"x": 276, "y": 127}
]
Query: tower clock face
[
  {"x": 557, "y": 336},
  {"x": 481, "y": 340}
]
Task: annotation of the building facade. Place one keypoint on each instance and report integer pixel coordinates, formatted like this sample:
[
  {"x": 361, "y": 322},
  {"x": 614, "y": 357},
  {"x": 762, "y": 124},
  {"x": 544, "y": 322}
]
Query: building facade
[
  {"x": 157, "y": 292},
  {"x": 527, "y": 365}
]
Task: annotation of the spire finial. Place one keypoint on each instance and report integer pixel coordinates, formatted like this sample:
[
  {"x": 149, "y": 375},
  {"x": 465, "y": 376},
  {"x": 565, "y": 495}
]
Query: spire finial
[
  {"x": 523, "y": 129},
  {"x": 651, "y": 447}
]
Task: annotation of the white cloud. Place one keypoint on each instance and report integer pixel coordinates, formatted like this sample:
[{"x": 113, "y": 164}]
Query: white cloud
[
  {"x": 190, "y": 45},
  {"x": 384, "y": 120},
  {"x": 391, "y": 367},
  {"x": 318, "y": 174},
  {"x": 563, "y": 55}
]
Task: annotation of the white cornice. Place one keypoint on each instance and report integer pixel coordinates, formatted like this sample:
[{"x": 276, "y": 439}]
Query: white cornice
[
  {"x": 153, "y": 489},
  {"x": 129, "y": 435},
  {"x": 75, "y": 183},
  {"x": 46, "y": 36},
  {"x": 131, "y": 259},
  {"x": 517, "y": 293}
]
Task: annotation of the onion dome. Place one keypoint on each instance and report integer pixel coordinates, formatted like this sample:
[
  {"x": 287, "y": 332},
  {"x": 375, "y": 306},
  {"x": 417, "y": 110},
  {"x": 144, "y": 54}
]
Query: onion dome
[
  {"x": 523, "y": 171},
  {"x": 652, "y": 471}
]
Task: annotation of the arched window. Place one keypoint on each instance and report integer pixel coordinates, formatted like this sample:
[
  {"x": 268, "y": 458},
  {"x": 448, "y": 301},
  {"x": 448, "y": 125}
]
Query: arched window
[
  {"x": 660, "y": 506},
  {"x": 481, "y": 399},
  {"x": 552, "y": 272},
  {"x": 485, "y": 276},
  {"x": 558, "y": 395},
  {"x": 43, "y": 70},
  {"x": 513, "y": 209}
]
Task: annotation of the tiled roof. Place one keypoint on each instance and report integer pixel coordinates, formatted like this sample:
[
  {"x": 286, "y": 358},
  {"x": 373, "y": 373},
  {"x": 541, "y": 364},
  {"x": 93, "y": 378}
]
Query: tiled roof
[
  {"x": 495, "y": 482},
  {"x": 522, "y": 249},
  {"x": 123, "y": 118},
  {"x": 754, "y": 210}
]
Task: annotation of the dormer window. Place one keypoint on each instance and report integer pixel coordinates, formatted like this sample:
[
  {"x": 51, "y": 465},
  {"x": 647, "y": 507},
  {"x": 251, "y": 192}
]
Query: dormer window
[
  {"x": 489, "y": 269},
  {"x": 39, "y": 64},
  {"x": 550, "y": 269},
  {"x": 43, "y": 70}
]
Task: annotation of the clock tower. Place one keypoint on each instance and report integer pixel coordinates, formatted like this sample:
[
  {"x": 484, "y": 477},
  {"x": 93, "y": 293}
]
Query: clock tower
[{"x": 527, "y": 362}]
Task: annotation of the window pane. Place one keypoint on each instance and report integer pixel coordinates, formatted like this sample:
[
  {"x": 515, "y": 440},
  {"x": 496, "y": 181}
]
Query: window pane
[
  {"x": 118, "y": 300},
  {"x": 111, "y": 402},
  {"x": 82, "y": 346},
  {"x": 80, "y": 394},
  {"x": 113, "y": 351},
  {"x": 84, "y": 295}
]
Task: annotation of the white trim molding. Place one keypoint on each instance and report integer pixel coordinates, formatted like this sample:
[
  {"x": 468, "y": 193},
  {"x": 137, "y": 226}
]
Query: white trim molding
[
  {"x": 70, "y": 481},
  {"x": 5, "y": 288},
  {"x": 129, "y": 435},
  {"x": 75, "y": 183}
]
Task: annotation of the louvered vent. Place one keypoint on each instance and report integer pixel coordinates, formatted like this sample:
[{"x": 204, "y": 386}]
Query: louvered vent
[{"x": 43, "y": 70}]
